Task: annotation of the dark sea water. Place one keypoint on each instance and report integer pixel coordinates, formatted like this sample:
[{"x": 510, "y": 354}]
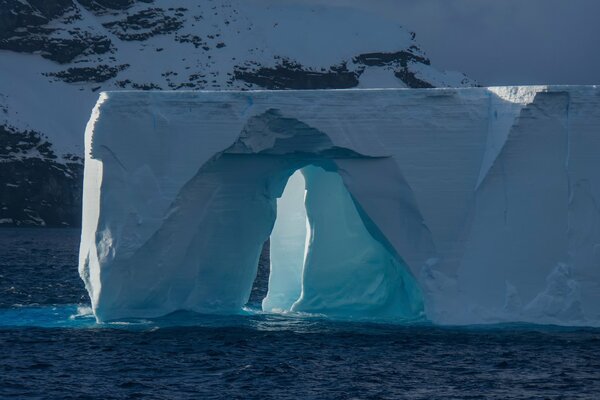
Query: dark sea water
[{"x": 51, "y": 348}]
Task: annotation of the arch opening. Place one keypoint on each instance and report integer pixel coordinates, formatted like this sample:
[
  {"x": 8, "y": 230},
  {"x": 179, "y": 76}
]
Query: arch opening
[
  {"x": 326, "y": 260},
  {"x": 204, "y": 253}
]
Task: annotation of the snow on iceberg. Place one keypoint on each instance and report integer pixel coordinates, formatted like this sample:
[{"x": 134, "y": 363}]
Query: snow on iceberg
[{"x": 466, "y": 205}]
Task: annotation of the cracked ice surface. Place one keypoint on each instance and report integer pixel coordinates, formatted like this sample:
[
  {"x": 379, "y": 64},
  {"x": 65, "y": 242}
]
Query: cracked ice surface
[{"x": 487, "y": 199}]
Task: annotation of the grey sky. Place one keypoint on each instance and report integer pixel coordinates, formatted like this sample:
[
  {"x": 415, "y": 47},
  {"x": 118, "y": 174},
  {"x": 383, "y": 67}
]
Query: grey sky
[{"x": 502, "y": 42}]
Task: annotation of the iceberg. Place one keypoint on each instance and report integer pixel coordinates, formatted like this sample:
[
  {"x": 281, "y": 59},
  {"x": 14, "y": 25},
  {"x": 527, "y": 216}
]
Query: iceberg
[{"x": 462, "y": 206}]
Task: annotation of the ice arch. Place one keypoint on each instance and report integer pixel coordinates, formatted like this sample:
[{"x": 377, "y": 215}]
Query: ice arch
[
  {"x": 489, "y": 196},
  {"x": 204, "y": 251}
]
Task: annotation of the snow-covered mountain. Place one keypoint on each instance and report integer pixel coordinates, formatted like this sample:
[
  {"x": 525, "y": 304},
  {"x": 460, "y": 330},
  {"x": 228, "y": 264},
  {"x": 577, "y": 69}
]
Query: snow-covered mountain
[{"x": 55, "y": 56}]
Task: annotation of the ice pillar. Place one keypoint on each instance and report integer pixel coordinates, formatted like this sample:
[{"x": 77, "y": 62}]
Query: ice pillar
[{"x": 287, "y": 247}]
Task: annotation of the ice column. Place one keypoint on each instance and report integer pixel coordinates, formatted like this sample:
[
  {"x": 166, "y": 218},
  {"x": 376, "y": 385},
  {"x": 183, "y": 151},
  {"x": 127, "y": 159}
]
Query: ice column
[{"x": 287, "y": 247}]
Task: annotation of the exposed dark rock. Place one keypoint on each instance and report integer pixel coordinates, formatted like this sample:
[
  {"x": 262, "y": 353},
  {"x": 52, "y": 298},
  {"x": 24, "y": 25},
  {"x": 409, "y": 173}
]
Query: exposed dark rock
[
  {"x": 144, "y": 24},
  {"x": 291, "y": 75},
  {"x": 103, "y": 6},
  {"x": 400, "y": 57},
  {"x": 127, "y": 83},
  {"x": 409, "y": 78},
  {"x": 198, "y": 78},
  {"x": 61, "y": 50},
  {"x": 17, "y": 15},
  {"x": 193, "y": 39},
  {"x": 37, "y": 191},
  {"x": 24, "y": 28},
  {"x": 100, "y": 73},
  {"x": 15, "y": 143},
  {"x": 183, "y": 85},
  {"x": 73, "y": 158},
  {"x": 400, "y": 61}
]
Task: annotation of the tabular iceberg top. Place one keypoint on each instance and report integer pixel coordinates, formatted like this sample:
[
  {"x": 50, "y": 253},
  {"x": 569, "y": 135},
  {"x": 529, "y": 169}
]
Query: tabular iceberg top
[{"x": 486, "y": 197}]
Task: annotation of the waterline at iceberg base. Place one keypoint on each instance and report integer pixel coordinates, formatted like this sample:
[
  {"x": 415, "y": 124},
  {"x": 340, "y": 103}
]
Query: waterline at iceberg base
[{"x": 464, "y": 206}]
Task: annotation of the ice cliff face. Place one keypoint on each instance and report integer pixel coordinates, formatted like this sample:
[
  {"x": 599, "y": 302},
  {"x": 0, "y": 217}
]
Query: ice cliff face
[
  {"x": 55, "y": 56},
  {"x": 464, "y": 205}
]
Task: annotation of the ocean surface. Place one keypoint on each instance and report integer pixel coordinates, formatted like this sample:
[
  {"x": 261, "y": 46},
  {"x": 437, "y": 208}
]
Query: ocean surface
[{"x": 51, "y": 348}]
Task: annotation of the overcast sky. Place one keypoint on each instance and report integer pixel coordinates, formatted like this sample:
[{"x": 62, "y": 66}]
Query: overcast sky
[{"x": 501, "y": 42}]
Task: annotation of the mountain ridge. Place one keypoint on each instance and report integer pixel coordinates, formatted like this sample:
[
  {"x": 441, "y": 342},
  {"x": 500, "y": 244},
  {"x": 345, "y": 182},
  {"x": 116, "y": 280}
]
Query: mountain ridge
[{"x": 56, "y": 56}]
